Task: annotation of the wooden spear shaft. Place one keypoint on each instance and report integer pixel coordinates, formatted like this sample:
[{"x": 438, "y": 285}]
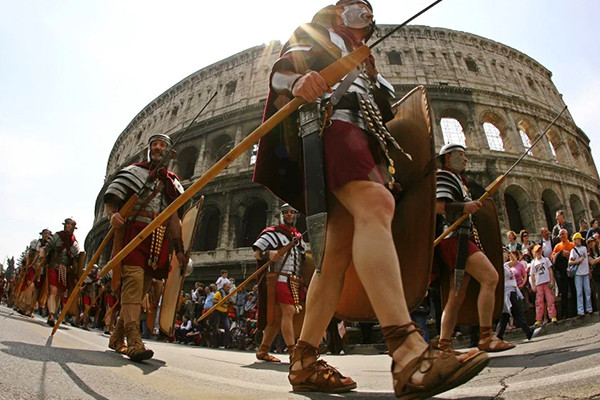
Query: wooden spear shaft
[
  {"x": 125, "y": 211},
  {"x": 281, "y": 252},
  {"x": 492, "y": 187},
  {"x": 332, "y": 74}
]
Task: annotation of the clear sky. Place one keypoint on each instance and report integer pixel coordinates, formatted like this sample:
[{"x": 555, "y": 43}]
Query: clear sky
[{"x": 74, "y": 73}]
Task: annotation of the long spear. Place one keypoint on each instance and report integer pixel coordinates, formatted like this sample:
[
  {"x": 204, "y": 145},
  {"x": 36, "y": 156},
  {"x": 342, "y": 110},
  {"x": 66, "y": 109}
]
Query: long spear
[
  {"x": 125, "y": 211},
  {"x": 332, "y": 74},
  {"x": 281, "y": 252},
  {"x": 492, "y": 187}
]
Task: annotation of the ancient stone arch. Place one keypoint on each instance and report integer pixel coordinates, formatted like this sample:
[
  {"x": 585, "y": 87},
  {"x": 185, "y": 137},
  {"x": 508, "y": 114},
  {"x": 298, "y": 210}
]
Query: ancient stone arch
[
  {"x": 527, "y": 137},
  {"x": 187, "y": 162},
  {"x": 254, "y": 220},
  {"x": 494, "y": 127},
  {"x": 577, "y": 209},
  {"x": 518, "y": 208},
  {"x": 209, "y": 228},
  {"x": 594, "y": 209},
  {"x": 551, "y": 203},
  {"x": 220, "y": 145}
]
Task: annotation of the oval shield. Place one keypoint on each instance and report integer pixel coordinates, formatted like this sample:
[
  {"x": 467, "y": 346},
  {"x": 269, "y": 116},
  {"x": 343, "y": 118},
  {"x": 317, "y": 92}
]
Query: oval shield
[{"x": 412, "y": 129}]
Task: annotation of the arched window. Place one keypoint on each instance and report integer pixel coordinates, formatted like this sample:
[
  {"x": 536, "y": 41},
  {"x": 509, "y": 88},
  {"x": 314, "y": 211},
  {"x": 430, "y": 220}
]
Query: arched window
[
  {"x": 207, "y": 233},
  {"x": 493, "y": 137},
  {"x": 187, "y": 162},
  {"x": 526, "y": 141},
  {"x": 452, "y": 131},
  {"x": 221, "y": 146},
  {"x": 253, "y": 222}
]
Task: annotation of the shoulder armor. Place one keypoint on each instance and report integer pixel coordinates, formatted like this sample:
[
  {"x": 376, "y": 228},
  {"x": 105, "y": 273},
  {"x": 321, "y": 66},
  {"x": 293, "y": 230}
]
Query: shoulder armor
[
  {"x": 449, "y": 186},
  {"x": 178, "y": 186},
  {"x": 130, "y": 179}
]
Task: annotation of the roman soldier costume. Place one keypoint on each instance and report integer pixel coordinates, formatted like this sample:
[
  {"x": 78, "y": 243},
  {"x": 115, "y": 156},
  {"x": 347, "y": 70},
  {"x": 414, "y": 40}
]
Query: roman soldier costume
[
  {"x": 463, "y": 241},
  {"x": 60, "y": 252},
  {"x": 34, "y": 275},
  {"x": 283, "y": 283},
  {"x": 156, "y": 189}
]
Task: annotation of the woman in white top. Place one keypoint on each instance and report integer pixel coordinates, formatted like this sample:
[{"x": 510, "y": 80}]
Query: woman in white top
[{"x": 579, "y": 256}]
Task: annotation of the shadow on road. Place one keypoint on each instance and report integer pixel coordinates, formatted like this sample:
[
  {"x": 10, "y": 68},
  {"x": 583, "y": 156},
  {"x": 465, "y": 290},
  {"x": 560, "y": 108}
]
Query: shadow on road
[
  {"x": 271, "y": 366},
  {"x": 65, "y": 356},
  {"x": 539, "y": 359}
]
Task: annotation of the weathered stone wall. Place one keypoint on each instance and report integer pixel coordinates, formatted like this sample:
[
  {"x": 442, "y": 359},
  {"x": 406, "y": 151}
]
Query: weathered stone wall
[{"x": 470, "y": 79}]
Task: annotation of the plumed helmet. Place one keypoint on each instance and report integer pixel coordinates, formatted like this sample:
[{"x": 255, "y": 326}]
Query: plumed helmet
[{"x": 159, "y": 136}]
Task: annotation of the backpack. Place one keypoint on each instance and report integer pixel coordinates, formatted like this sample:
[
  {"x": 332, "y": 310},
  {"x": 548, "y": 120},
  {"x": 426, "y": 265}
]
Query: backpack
[{"x": 572, "y": 269}]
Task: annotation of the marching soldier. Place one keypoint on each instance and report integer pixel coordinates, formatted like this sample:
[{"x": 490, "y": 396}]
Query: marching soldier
[
  {"x": 89, "y": 293},
  {"x": 151, "y": 258},
  {"x": 359, "y": 179},
  {"x": 60, "y": 253},
  {"x": 286, "y": 286},
  {"x": 33, "y": 278},
  {"x": 460, "y": 252}
]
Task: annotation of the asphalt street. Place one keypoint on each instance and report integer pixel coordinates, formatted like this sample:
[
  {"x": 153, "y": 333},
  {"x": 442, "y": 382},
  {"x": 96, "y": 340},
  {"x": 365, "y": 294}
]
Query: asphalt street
[{"x": 562, "y": 363}]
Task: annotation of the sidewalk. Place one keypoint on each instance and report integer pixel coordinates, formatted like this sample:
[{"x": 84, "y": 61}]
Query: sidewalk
[{"x": 463, "y": 341}]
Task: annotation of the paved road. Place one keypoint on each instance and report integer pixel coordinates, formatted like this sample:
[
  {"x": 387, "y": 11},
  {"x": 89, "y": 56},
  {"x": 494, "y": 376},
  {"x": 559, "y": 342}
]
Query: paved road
[{"x": 562, "y": 363}]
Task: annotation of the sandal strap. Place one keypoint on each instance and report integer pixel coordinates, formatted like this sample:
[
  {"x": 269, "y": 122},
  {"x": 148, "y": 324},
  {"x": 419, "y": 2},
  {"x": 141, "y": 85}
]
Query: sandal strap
[
  {"x": 395, "y": 335},
  {"x": 326, "y": 377}
]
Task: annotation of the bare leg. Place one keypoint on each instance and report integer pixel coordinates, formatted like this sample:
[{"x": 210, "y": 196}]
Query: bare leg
[
  {"x": 452, "y": 307},
  {"x": 372, "y": 207},
  {"x": 287, "y": 324},
  {"x": 325, "y": 289},
  {"x": 269, "y": 334},
  {"x": 481, "y": 269}
]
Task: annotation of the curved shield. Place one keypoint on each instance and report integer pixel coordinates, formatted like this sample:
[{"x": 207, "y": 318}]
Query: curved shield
[
  {"x": 412, "y": 129},
  {"x": 174, "y": 283},
  {"x": 488, "y": 227}
]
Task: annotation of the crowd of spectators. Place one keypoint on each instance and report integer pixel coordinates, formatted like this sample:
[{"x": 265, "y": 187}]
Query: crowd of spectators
[
  {"x": 559, "y": 275},
  {"x": 238, "y": 311},
  {"x": 556, "y": 277}
]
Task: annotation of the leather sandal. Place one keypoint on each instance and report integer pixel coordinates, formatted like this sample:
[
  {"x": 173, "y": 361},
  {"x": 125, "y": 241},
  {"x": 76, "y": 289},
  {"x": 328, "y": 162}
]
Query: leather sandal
[
  {"x": 441, "y": 371},
  {"x": 263, "y": 354},
  {"x": 315, "y": 375},
  {"x": 446, "y": 346},
  {"x": 491, "y": 343}
]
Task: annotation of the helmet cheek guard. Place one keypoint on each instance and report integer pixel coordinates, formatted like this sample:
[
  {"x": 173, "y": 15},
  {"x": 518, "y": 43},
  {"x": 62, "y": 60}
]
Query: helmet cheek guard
[{"x": 160, "y": 136}]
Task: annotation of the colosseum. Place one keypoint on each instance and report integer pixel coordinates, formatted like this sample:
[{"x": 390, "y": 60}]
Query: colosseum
[{"x": 489, "y": 96}]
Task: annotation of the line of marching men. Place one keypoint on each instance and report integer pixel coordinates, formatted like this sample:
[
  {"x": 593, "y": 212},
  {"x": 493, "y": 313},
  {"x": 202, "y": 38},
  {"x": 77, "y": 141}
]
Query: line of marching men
[{"x": 49, "y": 271}]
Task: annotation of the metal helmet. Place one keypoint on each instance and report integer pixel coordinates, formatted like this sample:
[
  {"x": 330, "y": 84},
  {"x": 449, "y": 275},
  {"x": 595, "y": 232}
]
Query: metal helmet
[
  {"x": 284, "y": 208},
  {"x": 447, "y": 149},
  {"x": 366, "y": 3},
  {"x": 44, "y": 231},
  {"x": 159, "y": 136},
  {"x": 71, "y": 220}
]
